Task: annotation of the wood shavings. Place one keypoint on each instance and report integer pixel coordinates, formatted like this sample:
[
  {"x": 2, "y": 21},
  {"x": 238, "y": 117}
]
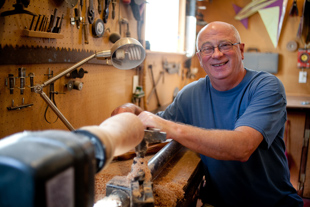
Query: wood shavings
[{"x": 168, "y": 193}]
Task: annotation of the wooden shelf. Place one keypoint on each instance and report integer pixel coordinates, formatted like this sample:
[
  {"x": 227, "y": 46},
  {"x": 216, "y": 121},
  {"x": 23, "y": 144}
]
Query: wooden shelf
[{"x": 48, "y": 35}]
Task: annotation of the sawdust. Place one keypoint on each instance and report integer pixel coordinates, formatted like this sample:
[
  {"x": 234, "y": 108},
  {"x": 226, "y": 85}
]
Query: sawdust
[{"x": 167, "y": 192}]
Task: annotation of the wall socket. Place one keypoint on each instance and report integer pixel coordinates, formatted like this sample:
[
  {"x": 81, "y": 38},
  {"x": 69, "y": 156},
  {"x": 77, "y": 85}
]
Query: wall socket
[{"x": 302, "y": 77}]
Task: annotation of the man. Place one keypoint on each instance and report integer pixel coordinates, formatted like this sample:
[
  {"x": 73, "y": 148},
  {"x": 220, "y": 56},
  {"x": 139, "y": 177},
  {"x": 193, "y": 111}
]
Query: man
[{"x": 234, "y": 117}]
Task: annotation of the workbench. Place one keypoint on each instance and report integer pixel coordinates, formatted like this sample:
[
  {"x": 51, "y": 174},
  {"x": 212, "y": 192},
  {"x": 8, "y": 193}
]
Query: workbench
[{"x": 297, "y": 140}]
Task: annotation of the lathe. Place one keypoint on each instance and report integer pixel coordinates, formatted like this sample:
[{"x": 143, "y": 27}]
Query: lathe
[{"x": 57, "y": 168}]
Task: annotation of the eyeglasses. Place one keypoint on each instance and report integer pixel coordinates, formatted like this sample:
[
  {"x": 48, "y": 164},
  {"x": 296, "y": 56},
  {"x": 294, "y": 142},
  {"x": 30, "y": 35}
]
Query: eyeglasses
[{"x": 223, "y": 47}]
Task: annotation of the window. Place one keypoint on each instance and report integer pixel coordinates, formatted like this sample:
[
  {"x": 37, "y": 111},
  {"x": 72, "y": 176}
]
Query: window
[{"x": 164, "y": 25}]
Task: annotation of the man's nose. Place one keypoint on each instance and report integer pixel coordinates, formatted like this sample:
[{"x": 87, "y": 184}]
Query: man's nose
[{"x": 217, "y": 52}]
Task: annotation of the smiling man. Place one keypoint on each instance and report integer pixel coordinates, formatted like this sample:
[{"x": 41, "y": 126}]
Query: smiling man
[{"x": 234, "y": 118}]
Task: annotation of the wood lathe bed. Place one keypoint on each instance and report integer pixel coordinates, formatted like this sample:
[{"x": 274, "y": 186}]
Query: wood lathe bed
[{"x": 175, "y": 185}]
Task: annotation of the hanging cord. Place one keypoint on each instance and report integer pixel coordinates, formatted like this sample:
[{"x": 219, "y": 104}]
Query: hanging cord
[{"x": 52, "y": 97}]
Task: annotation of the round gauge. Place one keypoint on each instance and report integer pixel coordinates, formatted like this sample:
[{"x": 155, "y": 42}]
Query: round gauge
[
  {"x": 304, "y": 57},
  {"x": 98, "y": 28},
  {"x": 291, "y": 46},
  {"x": 70, "y": 85}
]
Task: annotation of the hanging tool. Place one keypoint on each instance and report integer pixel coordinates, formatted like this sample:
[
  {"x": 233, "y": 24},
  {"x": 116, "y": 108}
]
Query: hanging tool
[
  {"x": 81, "y": 4},
  {"x": 52, "y": 21},
  {"x": 106, "y": 11},
  {"x": 31, "y": 76},
  {"x": 11, "y": 83},
  {"x": 85, "y": 31},
  {"x": 98, "y": 28},
  {"x": 124, "y": 21},
  {"x": 294, "y": 9},
  {"x": 20, "y": 106},
  {"x": 78, "y": 17},
  {"x": 137, "y": 8},
  {"x": 38, "y": 20},
  {"x": 113, "y": 8},
  {"x": 51, "y": 95},
  {"x": 91, "y": 12},
  {"x": 57, "y": 29},
  {"x": 71, "y": 3},
  {"x": 42, "y": 21},
  {"x": 99, "y": 6},
  {"x": 154, "y": 86},
  {"x": 22, "y": 76},
  {"x": 19, "y": 9},
  {"x": 33, "y": 17}
]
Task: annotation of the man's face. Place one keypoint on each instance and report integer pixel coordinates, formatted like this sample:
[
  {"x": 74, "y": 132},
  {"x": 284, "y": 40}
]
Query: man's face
[{"x": 220, "y": 65}]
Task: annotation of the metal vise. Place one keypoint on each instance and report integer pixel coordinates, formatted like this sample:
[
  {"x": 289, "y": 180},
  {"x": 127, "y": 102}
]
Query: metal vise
[{"x": 137, "y": 192}]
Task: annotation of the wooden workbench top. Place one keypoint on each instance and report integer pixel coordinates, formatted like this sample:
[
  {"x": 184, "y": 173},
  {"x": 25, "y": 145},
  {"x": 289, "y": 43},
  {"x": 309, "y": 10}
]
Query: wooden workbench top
[{"x": 298, "y": 101}]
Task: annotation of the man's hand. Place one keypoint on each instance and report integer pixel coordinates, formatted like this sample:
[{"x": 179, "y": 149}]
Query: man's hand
[
  {"x": 153, "y": 121},
  {"x": 128, "y": 107}
]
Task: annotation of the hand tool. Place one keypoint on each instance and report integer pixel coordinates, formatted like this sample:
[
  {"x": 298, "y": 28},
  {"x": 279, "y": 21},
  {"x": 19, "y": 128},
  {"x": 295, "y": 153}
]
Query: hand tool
[
  {"x": 59, "y": 26},
  {"x": 106, "y": 11},
  {"x": 55, "y": 30},
  {"x": 113, "y": 8},
  {"x": 81, "y": 4},
  {"x": 77, "y": 17},
  {"x": 11, "y": 83},
  {"x": 31, "y": 76},
  {"x": 85, "y": 30},
  {"x": 41, "y": 24},
  {"x": 154, "y": 86},
  {"x": 99, "y": 6},
  {"x": 33, "y": 17},
  {"x": 91, "y": 12},
  {"x": 22, "y": 76},
  {"x": 98, "y": 28},
  {"x": 38, "y": 20},
  {"x": 52, "y": 21}
]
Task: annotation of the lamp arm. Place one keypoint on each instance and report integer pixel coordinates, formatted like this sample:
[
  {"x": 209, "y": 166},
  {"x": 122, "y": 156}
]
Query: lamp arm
[{"x": 56, "y": 77}]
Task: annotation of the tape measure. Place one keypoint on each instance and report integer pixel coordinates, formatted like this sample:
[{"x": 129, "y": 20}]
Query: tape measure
[{"x": 98, "y": 28}]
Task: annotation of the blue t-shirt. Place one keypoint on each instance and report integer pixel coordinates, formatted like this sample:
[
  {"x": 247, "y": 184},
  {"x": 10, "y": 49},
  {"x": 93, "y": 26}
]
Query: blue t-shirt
[{"x": 259, "y": 102}]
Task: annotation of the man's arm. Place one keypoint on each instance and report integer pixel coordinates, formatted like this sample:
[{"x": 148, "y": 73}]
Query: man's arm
[{"x": 237, "y": 145}]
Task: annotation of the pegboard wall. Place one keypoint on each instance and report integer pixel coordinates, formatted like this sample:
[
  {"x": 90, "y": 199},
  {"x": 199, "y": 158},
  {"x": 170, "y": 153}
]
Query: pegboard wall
[{"x": 104, "y": 87}]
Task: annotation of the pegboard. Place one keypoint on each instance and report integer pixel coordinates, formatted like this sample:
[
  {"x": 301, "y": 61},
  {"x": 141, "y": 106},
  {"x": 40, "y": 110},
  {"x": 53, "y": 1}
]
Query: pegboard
[
  {"x": 11, "y": 30},
  {"x": 104, "y": 87}
]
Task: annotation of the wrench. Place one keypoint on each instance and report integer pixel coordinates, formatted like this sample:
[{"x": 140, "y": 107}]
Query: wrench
[
  {"x": 91, "y": 12},
  {"x": 106, "y": 11}
]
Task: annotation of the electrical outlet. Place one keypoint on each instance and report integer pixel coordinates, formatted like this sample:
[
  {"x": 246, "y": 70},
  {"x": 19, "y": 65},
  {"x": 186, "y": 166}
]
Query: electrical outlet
[{"x": 302, "y": 77}]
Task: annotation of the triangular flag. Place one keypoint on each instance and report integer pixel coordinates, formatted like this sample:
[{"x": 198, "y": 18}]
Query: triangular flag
[
  {"x": 243, "y": 21},
  {"x": 270, "y": 17}
]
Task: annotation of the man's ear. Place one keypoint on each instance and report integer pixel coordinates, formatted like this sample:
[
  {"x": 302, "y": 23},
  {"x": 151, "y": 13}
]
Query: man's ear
[{"x": 241, "y": 46}]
